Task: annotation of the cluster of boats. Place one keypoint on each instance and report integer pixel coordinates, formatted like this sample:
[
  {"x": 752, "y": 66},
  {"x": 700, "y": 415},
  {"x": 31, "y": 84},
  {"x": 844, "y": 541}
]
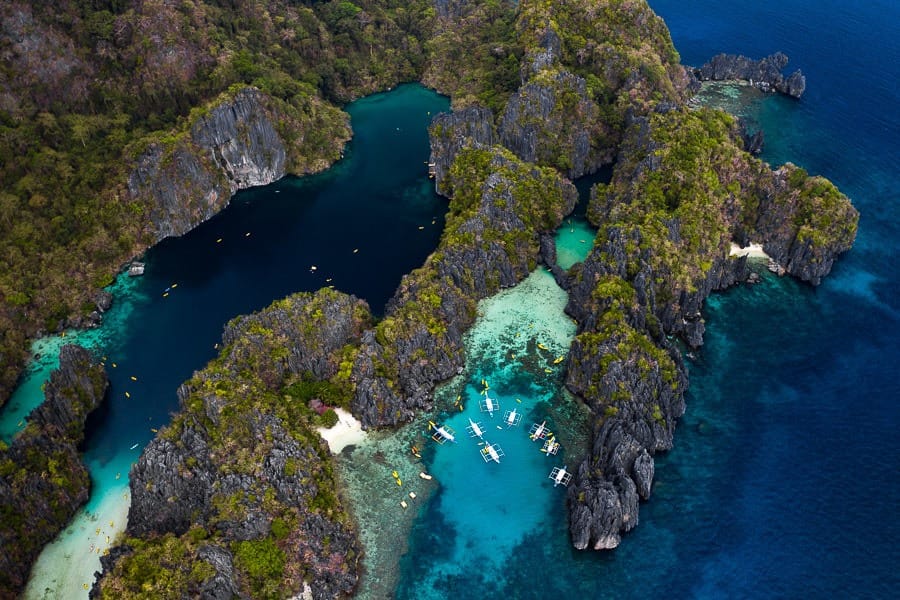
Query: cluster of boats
[{"x": 511, "y": 418}]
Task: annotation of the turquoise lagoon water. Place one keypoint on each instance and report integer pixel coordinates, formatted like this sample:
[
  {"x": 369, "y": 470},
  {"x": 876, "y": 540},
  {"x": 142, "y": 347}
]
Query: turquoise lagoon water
[
  {"x": 363, "y": 224},
  {"x": 781, "y": 483}
]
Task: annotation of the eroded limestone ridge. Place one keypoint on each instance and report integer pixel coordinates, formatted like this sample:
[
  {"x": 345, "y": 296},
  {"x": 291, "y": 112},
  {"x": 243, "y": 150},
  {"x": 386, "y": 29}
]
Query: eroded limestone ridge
[
  {"x": 43, "y": 481},
  {"x": 682, "y": 191},
  {"x": 765, "y": 73},
  {"x": 236, "y": 497}
]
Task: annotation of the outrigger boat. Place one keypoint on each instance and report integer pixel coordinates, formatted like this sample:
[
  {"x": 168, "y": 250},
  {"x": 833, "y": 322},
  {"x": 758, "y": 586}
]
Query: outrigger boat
[
  {"x": 474, "y": 429},
  {"x": 560, "y": 476},
  {"x": 489, "y": 405},
  {"x": 512, "y": 418},
  {"x": 551, "y": 446},
  {"x": 492, "y": 452},
  {"x": 442, "y": 433},
  {"x": 539, "y": 431}
]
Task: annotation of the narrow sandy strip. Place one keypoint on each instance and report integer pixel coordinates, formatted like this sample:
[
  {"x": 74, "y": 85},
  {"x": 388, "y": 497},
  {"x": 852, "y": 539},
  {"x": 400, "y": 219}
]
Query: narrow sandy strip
[
  {"x": 65, "y": 569},
  {"x": 753, "y": 251},
  {"x": 346, "y": 432}
]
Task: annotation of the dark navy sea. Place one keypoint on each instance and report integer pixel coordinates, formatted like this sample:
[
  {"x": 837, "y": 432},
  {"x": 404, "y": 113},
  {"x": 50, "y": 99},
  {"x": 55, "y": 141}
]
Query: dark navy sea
[{"x": 782, "y": 482}]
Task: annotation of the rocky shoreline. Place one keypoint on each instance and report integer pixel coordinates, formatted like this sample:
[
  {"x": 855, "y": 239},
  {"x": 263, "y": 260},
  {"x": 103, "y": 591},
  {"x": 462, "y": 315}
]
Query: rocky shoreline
[
  {"x": 765, "y": 73},
  {"x": 237, "y": 495},
  {"x": 43, "y": 480}
]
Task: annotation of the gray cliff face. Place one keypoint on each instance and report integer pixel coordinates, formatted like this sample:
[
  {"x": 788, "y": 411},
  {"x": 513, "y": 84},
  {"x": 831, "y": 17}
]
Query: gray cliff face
[
  {"x": 396, "y": 375},
  {"x": 44, "y": 481},
  {"x": 241, "y": 138},
  {"x": 764, "y": 73},
  {"x": 193, "y": 472},
  {"x": 234, "y": 147},
  {"x": 450, "y": 132},
  {"x": 551, "y": 121}
]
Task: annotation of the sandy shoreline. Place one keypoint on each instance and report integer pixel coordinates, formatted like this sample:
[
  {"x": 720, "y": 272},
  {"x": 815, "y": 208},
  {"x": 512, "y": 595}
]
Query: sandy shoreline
[
  {"x": 753, "y": 251},
  {"x": 68, "y": 564},
  {"x": 347, "y": 432}
]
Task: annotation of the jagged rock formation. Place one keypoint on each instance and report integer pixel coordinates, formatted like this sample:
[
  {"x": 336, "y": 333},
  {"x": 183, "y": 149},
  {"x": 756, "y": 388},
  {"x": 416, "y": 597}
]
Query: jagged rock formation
[
  {"x": 550, "y": 121},
  {"x": 239, "y": 143},
  {"x": 239, "y": 476},
  {"x": 451, "y": 132},
  {"x": 764, "y": 73},
  {"x": 682, "y": 190},
  {"x": 42, "y": 479},
  {"x": 237, "y": 495},
  {"x": 499, "y": 208}
]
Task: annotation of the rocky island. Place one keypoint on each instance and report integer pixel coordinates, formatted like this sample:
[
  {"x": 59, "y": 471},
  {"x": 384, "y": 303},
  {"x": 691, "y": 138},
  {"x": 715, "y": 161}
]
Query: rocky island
[{"x": 237, "y": 496}]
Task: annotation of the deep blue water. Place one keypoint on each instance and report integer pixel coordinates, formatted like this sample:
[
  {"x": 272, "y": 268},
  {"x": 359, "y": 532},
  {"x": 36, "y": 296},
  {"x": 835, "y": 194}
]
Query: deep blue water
[
  {"x": 362, "y": 224},
  {"x": 358, "y": 224},
  {"x": 783, "y": 481}
]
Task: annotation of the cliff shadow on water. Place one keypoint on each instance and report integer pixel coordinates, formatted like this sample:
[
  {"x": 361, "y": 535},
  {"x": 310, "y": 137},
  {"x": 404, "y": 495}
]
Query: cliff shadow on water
[{"x": 358, "y": 227}]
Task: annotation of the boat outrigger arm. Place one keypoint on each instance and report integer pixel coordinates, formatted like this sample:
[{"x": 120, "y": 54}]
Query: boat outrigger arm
[
  {"x": 559, "y": 475},
  {"x": 492, "y": 452},
  {"x": 474, "y": 429},
  {"x": 489, "y": 405},
  {"x": 539, "y": 431},
  {"x": 442, "y": 433},
  {"x": 551, "y": 446},
  {"x": 512, "y": 417}
]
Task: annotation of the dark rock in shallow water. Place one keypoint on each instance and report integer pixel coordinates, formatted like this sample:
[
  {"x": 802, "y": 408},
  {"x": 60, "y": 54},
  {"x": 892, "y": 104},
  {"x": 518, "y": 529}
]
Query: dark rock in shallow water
[
  {"x": 44, "y": 481},
  {"x": 764, "y": 73},
  {"x": 753, "y": 142}
]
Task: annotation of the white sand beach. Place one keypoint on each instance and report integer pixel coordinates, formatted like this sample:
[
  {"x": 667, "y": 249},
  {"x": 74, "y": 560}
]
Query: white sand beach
[
  {"x": 348, "y": 431},
  {"x": 753, "y": 251},
  {"x": 65, "y": 569}
]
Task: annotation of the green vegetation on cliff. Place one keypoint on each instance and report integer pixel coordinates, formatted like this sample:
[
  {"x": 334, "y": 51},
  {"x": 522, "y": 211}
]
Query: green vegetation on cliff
[
  {"x": 246, "y": 438},
  {"x": 88, "y": 85}
]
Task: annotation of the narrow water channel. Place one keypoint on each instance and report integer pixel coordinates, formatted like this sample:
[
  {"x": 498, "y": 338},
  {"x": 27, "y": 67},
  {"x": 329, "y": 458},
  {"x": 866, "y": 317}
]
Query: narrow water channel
[{"x": 362, "y": 225}]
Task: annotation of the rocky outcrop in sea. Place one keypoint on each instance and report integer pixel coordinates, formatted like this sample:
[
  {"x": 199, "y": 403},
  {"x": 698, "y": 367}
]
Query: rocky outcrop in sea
[
  {"x": 682, "y": 191},
  {"x": 43, "y": 481},
  {"x": 765, "y": 74}
]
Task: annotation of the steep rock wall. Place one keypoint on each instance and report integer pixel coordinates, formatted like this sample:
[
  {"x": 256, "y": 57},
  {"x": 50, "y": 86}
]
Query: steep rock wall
[
  {"x": 239, "y": 142},
  {"x": 42, "y": 479}
]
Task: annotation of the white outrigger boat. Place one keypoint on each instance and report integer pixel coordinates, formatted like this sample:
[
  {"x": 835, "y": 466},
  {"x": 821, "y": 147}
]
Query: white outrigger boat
[
  {"x": 539, "y": 431},
  {"x": 492, "y": 452},
  {"x": 442, "y": 433},
  {"x": 559, "y": 475},
  {"x": 512, "y": 417},
  {"x": 474, "y": 429},
  {"x": 489, "y": 405}
]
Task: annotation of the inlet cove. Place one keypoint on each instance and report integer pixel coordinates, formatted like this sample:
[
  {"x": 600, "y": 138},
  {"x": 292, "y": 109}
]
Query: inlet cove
[{"x": 449, "y": 355}]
